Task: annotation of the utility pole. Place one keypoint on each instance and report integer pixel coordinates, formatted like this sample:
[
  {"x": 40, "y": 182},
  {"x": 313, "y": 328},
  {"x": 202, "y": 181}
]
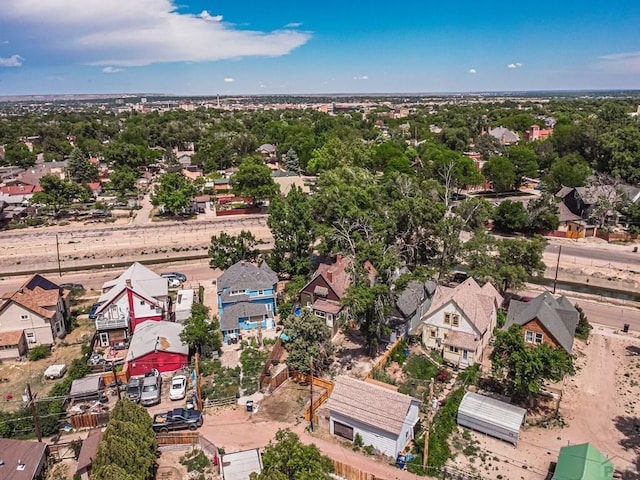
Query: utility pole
[
  {"x": 555, "y": 280},
  {"x": 115, "y": 380},
  {"x": 425, "y": 453},
  {"x": 34, "y": 412},
  {"x": 58, "y": 255},
  {"x": 311, "y": 394},
  {"x": 198, "y": 393}
]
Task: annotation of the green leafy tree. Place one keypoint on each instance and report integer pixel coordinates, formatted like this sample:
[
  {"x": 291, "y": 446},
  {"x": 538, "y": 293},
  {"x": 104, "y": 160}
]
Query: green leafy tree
[
  {"x": 18, "y": 154},
  {"x": 570, "y": 171},
  {"x": 80, "y": 169},
  {"x": 171, "y": 163},
  {"x": 123, "y": 179},
  {"x": 226, "y": 250},
  {"x": 525, "y": 162},
  {"x": 310, "y": 339},
  {"x": 253, "y": 179},
  {"x": 338, "y": 152},
  {"x": 289, "y": 459},
  {"x": 200, "y": 332},
  {"x": 583, "y": 329},
  {"x": 291, "y": 162},
  {"x": 525, "y": 369},
  {"x": 368, "y": 306},
  {"x": 57, "y": 192},
  {"x": 510, "y": 216},
  {"x": 474, "y": 212},
  {"x": 501, "y": 173},
  {"x": 174, "y": 192},
  {"x": 542, "y": 214},
  {"x": 292, "y": 226}
]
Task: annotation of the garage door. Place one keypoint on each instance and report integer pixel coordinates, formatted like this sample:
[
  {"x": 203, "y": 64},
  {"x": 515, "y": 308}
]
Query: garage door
[{"x": 343, "y": 430}]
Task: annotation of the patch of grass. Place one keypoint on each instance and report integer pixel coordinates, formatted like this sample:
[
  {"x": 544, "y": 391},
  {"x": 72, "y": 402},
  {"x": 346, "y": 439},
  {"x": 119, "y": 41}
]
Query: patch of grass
[
  {"x": 39, "y": 352},
  {"x": 420, "y": 368},
  {"x": 443, "y": 425}
]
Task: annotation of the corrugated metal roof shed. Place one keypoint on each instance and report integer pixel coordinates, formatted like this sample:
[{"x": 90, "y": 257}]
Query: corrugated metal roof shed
[
  {"x": 491, "y": 416},
  {"x": 240, "y": 465}
]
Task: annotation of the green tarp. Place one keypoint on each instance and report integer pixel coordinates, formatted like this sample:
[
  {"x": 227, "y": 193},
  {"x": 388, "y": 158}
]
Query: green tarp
[{"x": 582, "y": 462}]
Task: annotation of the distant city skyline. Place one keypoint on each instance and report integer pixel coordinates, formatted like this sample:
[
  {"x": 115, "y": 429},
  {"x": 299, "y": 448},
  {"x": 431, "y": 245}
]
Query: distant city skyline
[{"x": 290, "y": 47}]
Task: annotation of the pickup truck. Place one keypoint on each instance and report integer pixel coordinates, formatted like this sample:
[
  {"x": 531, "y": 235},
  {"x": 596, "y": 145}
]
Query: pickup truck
[{"x": 177, "y": 419}]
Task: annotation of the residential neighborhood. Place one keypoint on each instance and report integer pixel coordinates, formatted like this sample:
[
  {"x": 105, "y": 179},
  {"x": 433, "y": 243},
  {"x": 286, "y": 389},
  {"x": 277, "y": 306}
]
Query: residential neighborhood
[{"x": 411, "y": 299}]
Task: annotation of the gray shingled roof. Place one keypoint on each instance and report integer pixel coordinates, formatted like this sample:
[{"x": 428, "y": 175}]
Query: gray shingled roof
[
  {"x": 232, "y": 313},
  {"x": 411, "y": 298},
  {"x": 557, "y": 316},
  {"x": 245, "y": 275}
]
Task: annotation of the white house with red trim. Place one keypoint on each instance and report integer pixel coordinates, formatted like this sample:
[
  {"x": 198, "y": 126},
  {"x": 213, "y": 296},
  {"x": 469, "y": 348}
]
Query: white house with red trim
[{"x": 136, "y": 296}]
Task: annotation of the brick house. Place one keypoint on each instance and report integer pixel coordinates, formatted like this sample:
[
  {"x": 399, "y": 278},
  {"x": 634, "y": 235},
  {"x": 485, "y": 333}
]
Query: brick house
[
  {"x": 327, "y": 288},
  {"x": 545, "y": 319}
]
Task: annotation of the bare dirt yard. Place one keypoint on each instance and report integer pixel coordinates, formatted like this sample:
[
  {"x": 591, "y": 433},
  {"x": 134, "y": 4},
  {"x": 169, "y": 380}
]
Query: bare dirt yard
[{"x": 599, "y": 405}]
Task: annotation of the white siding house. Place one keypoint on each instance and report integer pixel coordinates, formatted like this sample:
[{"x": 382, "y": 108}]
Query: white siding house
[
  {"x": 385, "y": 419},
  {"x": 461, "y": 321}
]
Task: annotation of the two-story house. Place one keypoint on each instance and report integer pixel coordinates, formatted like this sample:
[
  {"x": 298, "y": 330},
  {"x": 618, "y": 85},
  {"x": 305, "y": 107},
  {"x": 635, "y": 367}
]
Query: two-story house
[
  {"x": 36, "y": 311},
  {"x": 328, "y": 286},
  {"x": 136, "y": 296},
  {"x": 545, "y": 319},
  {"x": 461, "y": 320},
  {"x": 246, "y": 299},
  {"x": 411, "y": 306}
]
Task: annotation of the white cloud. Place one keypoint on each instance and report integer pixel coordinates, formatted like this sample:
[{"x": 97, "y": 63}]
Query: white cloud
[
  {"x": 293, "y": 25},
  {"x": 5, "y": 42},
  {"x": 111, "y": 70},
  {"x": 229, "y": 80},
  {"x": 515, "y": 65},
  {"x": 473, "y": 71},
  {"x": 136, "y": 32},
  {"x": 361, "y": 77},
  {"x": 621, "y": 63},
  {"x": 210, "y": 18},
  {"x": 12, "y": 61}
]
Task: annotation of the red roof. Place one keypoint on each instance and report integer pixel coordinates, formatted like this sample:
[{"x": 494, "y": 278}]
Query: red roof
[{"x": 20, "y": 189}]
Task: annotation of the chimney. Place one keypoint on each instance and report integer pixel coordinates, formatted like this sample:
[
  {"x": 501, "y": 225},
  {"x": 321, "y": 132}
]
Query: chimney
[
  {"x": 128, "y": 282},
  {"x": 339, "y": 258},
  {"x": 330, "y": 276}
]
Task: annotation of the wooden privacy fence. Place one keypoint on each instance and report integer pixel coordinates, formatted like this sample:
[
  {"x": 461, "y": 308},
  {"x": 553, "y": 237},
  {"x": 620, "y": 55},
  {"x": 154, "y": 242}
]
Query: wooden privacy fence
[
  {"x": 89, "y": 420},
  {"x": 352, "y": 473},
  {"x": 317, "y": 403},
  {"x": 178, "y": 438},
  {"x": 383, "y": 360},
  {"x": 265, "y": 379},
  {"x": 218, "y": 402}
]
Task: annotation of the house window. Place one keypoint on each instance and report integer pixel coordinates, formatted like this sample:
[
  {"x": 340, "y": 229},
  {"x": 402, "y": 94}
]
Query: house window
[
  {"x": 260, "y": 292},
  {"x": 453, "y": 349},
  {"x": 268, "y": 307},
  {"x": 236, "y": 292},
  {"x": 319, "y": 313},
  {"x": 533, "y": 337},
  {"x": 432, "y": 333},
  {"x": 31, "y": 337},
  {"x": 329, "y": 317},
  {"x": 24, "y": 317},
  {"x": 142, "y": 302},
  {"x": 452, "y": 319}
]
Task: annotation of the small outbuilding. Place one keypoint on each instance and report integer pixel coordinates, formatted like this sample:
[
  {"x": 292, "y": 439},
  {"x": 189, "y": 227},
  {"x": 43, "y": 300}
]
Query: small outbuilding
[
  {"x": 88, "y": 453},
  {"x": 493, "y": 417},
  {"x": 582, "y": 462},
  {"x": 240, "y": 465},
  {"x": 184, "y": 303},
  {"x": 86, "y": 388}
]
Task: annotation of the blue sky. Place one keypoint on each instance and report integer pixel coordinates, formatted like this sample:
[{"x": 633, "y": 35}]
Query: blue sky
[{"x": 189, "y": 47}]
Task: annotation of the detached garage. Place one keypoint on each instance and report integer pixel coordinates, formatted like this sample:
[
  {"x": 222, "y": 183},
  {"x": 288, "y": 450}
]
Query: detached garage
[
  {"x": 493, "y": 417},
  {"x": 157, "y": 345}
]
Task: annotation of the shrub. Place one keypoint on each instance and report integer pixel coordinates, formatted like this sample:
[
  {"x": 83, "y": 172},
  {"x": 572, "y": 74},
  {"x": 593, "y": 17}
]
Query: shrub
[
  {"x": 195, "y": 461},
  {"x": 584, "y": 327},
  {"x": 357, "y": 441},
  {"x": 39, "y": 352},
  {"x": 443, "y": 375}
]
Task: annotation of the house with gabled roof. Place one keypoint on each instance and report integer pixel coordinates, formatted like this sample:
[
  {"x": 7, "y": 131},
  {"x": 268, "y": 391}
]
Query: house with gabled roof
[
  {"x": 136, "y": 296},
  {"x": 411, "y": 305},
  {"x": 23, "y": 459},
  {"x": 328, "y": 286},
  {"x": 246, "y": 299},
  {"x": 461, "y": 321},
  {"x": 545, "y": 319},
  {"x": 37, "y": 309},
  {"x": 88, "y": 453},
  {"x": 504, "y": 135},
  {"x": 385, "y": 419},
  {"x": 157, "y": 345}
]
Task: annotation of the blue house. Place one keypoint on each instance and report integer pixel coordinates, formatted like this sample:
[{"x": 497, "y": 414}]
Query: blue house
[{"x": 246, "y": 299}]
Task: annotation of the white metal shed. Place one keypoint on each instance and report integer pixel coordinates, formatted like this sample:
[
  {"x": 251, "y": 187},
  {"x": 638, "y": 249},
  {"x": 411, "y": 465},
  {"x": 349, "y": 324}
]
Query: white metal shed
[
  {"x": 184, "y": 302},
  {"x": 493, "y": 417}
]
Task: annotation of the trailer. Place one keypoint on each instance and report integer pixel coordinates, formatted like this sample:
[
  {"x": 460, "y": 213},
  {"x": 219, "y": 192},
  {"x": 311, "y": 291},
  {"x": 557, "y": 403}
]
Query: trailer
[
  {"x": 493, "y": 417},
  {"x": 55, "y": 371}
]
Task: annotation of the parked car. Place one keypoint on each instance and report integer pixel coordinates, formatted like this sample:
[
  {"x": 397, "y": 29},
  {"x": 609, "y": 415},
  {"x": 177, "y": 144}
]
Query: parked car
[
  {"x": 151, "y": 390},
  {"x": 174, "y": 282},
  {"x": 134, "y": 389},
  {"x": 180, "y": 276},
  {"x": 178, "y": 388},
  {"x": 93, "y": 311},
  {"x": 177, "y": 419}
]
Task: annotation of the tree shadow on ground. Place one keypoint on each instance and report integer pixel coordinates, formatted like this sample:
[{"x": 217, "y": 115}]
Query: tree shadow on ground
[{"x": 630, "y": 428}]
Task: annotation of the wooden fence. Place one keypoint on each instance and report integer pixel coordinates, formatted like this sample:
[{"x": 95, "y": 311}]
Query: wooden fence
[
  {"x": 218, "y": 402},
  {"x": 89, "y": 420},
  {"x": 350, "y": 472},
  {"x": 383, "y": 360},
  {"x": 265, "y": 381},
  {"x": 317, "y": 403},
  {"x": 63, "y": 451},
  {"x": 178, "y": 438}
]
